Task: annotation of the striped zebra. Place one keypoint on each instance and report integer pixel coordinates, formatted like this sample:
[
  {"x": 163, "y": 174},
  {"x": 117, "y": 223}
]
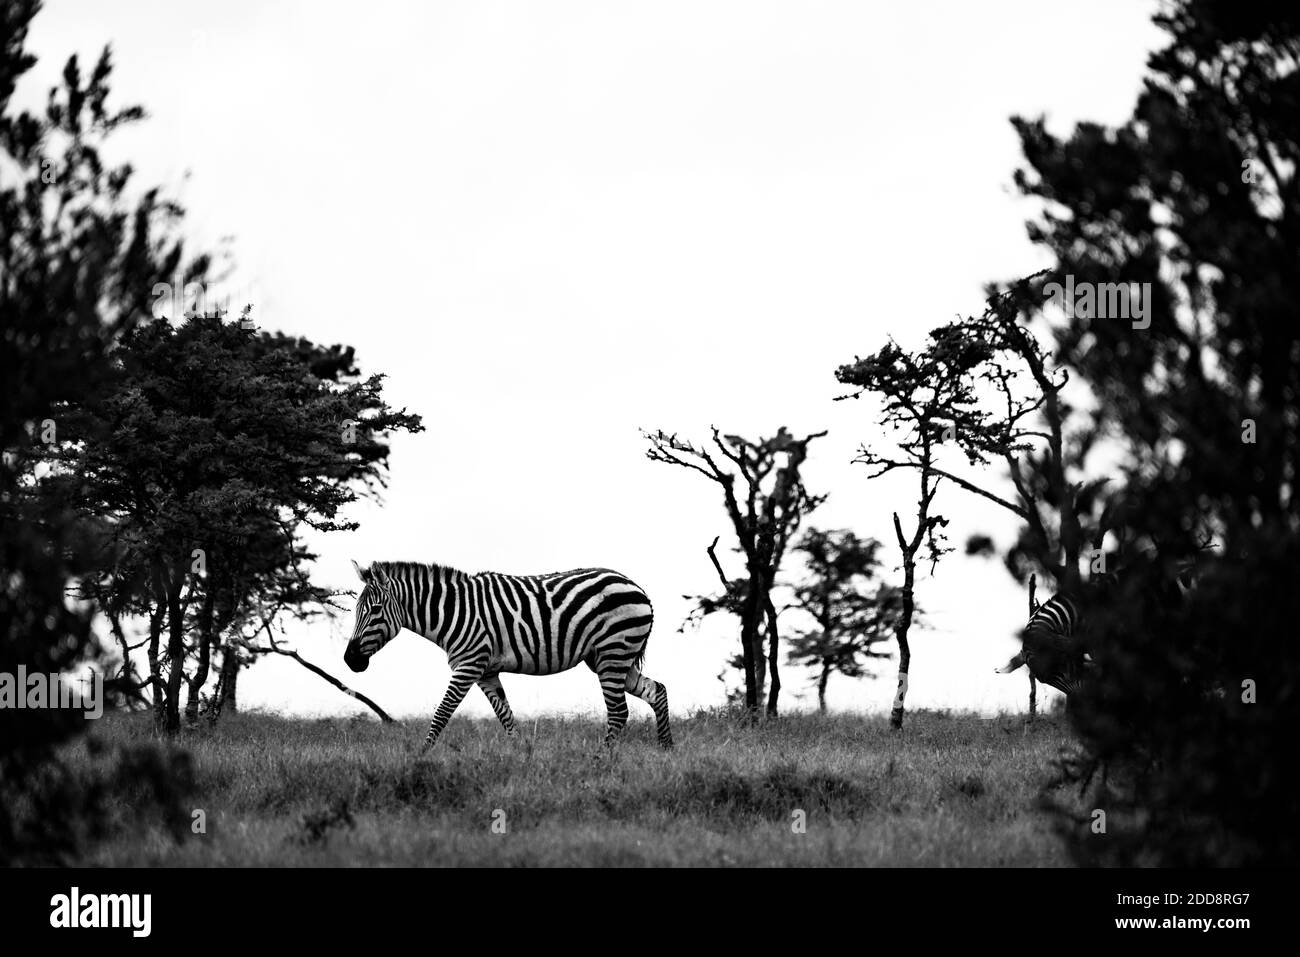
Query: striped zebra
[
  {"x": 524, "y": 624},
  {"x": 1054, "y": 642},
  {"x": 1052, "y": 645}
]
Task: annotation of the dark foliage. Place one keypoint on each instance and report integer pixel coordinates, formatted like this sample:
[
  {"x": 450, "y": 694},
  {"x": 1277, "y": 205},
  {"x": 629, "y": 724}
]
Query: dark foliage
[
  {"x": 1189, "y": 725},
  {"x": 78, "y": 260}
]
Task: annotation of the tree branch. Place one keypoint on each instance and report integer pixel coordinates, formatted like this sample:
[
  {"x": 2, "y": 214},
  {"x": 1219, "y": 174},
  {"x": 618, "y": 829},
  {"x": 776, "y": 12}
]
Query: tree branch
[
  {"x": 383, "y": 715},
  {"x": 722, "y": 576}
]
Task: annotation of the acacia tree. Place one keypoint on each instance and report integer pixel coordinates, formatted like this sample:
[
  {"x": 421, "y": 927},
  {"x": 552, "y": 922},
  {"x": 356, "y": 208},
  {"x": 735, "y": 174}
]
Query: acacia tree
[
  {"x": 1035, "y": 434},
  {"x": 1024, "y": 421},
  {"x": 1015, "y": 412},
  {"x": 925, "y": 398},
  {"x": 851, "y": 611},
  {"x": 208, "y": 454},
  {"x": 764, "y": 514}
]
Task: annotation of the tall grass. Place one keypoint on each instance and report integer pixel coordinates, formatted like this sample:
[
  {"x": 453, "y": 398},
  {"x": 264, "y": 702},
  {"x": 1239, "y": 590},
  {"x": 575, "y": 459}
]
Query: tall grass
[{"x": 950, "y": 790}]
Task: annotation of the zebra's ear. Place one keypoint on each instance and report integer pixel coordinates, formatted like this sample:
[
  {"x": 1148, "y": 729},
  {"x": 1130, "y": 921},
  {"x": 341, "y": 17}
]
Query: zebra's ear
[
  {"x": 380, "y": 577},
  {"x": 362, "y": 573}
]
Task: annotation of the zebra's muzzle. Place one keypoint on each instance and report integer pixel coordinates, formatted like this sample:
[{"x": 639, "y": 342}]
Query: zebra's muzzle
[{"x": 354, "y": 659}]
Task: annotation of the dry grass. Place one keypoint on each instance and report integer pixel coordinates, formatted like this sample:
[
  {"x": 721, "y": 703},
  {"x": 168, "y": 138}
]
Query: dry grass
[{"x": 950, "y": 790}]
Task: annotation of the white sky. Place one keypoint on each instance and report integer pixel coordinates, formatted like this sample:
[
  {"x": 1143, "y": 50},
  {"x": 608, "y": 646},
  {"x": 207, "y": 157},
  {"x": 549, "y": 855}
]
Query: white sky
[{"x": 552, "y": 224}]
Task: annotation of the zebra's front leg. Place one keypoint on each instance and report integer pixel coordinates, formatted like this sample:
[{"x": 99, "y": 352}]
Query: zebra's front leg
[
  {"x": 496, "y": 695},
  {"x": 462, "y": 678}
]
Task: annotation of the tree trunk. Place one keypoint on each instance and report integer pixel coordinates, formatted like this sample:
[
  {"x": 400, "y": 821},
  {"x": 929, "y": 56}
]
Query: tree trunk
[
  {"x": 1069, "y": 533},
  {"x": 227, "y": 700},
  {"x": 821, "y": 685},
  {"x": 774, "y": 642},
  {"x": 1071, "y": 542},
  {"x": 748, "y": 635},
  {"x": 156, "y": 685},
  {"x": 904, "y": 650},
  {"x": 200, "y": 676},
  {"x": 1033, "y": 685},
  {"x": 175, "y": 655},
  {"x": 760, "y": 667}
]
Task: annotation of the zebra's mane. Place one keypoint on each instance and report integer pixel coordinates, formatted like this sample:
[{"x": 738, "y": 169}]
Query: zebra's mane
[{"x": 397, "y": 567}]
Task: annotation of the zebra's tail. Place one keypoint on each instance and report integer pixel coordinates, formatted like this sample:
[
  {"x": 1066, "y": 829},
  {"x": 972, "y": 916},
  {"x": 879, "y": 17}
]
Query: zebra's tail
[
  {"x": 640, "y": 657},
  {"x": 1012, "y": 665}
]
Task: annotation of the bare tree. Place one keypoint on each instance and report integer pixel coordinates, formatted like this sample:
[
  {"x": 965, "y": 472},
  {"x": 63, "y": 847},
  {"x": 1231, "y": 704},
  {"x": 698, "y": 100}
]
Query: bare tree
[
  {"x": 926, "y": 399},
  {"x": 1026, "y": 423},
  {"x": 764, "y": 511}
]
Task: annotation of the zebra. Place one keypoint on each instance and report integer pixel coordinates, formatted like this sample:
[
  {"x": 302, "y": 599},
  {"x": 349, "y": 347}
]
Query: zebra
[
  {"x": 489, "y": 623},
  {"x": 1054, "y": 641},
  {"x": 1052, "y": 645}
]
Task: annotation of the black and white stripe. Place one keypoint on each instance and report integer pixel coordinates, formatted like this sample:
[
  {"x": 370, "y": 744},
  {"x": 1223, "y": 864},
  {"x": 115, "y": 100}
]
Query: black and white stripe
[
  {"x": 490, "y": 623},
  {"x": 1055, "y": 640},
  {"x": 1052, "y": 645}
]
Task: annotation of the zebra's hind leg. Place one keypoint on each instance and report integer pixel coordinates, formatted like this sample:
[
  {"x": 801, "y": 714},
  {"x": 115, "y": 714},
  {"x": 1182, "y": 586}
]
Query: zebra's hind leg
[
  {"x": 656, "y": 696},
  {"x": 613, "y": 684},
  {"x": 496, "y": 695}
]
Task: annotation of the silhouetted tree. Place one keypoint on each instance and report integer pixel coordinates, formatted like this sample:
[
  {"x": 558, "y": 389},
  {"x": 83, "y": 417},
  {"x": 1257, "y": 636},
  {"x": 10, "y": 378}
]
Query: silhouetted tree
[
  {"x": 78, "y": 261},
  {"x": 1038, "y": 436},
  {"x": 764, "y": 515},
  {"x": 1019, "y": 417},
  {"x": 1197, "y": 695},
  {"x": 851, "y": 611},
  {"x": 207, "y": 454},
  {"x": 925, "y": 398}
]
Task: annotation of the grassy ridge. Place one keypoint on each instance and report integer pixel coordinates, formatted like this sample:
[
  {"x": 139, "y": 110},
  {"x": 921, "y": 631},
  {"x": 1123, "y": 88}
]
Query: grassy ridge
[{"x": 952, "y": 790}]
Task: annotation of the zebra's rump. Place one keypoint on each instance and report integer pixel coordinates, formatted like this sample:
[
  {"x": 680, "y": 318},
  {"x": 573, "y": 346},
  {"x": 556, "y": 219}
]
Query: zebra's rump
[
  {"x": 1053, "y": 646},
  {"x": 1061, "y": 615},
  {"x": 543, "y": 624}
]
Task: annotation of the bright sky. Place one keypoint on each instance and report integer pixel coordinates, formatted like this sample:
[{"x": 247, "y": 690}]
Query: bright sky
[{"x": 552, "y": 224}]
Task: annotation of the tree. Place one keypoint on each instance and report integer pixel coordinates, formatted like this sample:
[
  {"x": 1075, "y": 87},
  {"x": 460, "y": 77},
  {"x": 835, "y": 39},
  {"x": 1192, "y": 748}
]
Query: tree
[
  {"x": 207, "y": 455},
  {"x": 733, "y": 600},
  {"x": 852, "y": 613},
  {"x": 763, "y": 515},
  {"x": 926, "y": 399},
  {"x": 1013, "y": 410},
  {"x": 1036, "y": 433},
  {"x": 1194, "y": 199},
  {"x": 1019, "y": 416},
  {"x": 78, "y": 259}
]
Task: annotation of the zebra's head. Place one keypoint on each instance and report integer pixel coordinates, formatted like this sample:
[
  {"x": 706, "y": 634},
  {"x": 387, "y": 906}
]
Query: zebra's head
[{"x": 378, "y": 617}]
